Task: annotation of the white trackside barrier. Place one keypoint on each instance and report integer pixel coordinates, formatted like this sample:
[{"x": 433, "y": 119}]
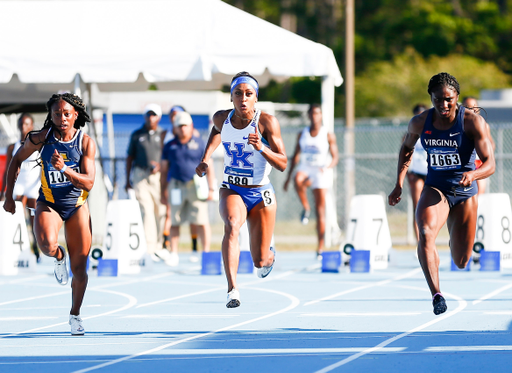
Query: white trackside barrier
[
  {"x": 15, "y": 253},
  {"x": 124, "y": 238},
  {"x": 368, "y": 229},
  {"x": 494, "y": 225}
]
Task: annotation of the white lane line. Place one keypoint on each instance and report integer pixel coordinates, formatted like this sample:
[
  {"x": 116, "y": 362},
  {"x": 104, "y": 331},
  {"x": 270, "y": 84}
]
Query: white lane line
[
  {"x": 497, "y": 313},
  {"x": 294, "y": 303},
  {"x": 68, "y": 291},
  {"x": 467, "y": 348},
  {"x": 27, "y": 318},
  {"x": 25, "y": 279},
  {"x": 492, "y": 294},
  {"x": 199, "y": 316},
  {"x": 258, "y": 281},
  {"x": 276, "y": 351},
  {"x": 131, "y": 302},
  {"x": 462, "y": 304},
  {"x": 181, "y": 296},
  {"x": 380, "y": 283},
  {"x": 370, "y": 314}
]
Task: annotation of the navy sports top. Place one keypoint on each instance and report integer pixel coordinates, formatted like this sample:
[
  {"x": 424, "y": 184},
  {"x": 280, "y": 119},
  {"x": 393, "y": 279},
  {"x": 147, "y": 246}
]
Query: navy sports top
[
  {"x": 450, "y": 153},
  {"x": 55, "y": 186}
]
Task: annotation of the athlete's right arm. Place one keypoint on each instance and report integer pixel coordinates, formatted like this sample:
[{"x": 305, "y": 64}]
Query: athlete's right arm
[
  {"x": 23, "y": 153},
  {"x": 295, "y": 160},
  {"x": 10, "y": 148},
  {"x": 213, "y": 141},
  {"x": 404, "y": 157}
]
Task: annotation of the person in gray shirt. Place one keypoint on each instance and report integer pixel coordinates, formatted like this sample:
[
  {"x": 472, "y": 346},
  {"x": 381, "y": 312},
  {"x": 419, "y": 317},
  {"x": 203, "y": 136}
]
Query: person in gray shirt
[{"x": 143, "y": 176}]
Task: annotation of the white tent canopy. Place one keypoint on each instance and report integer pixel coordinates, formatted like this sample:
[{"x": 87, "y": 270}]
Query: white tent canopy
[{"x": 112, "y": 41}]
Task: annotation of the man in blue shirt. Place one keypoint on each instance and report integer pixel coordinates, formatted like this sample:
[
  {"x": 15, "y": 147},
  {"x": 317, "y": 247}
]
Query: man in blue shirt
[{"x": 186, "y": 194}]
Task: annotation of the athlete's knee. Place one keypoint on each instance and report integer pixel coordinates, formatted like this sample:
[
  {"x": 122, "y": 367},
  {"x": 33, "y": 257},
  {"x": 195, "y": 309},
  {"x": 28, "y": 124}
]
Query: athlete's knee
[
  {"x": 262, "y": 259},
  {"x": 232, "y": 226},
  {"x": 48, "y": 247},
  {"x": 426, "y": 233},
  {"x": 462, "y": 262},
  {"x": 79, "y": 271}
]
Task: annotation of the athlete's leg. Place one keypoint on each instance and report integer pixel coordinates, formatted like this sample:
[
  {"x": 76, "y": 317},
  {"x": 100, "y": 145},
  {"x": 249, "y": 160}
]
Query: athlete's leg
[
  {"x": 233, "y": 212},
  {"x": 319, "y": 195},
  {"x": 175, "y": 238},
  {"x": 482, "y": 184},
  {"x": 193, "y": 237},
  {"x": 47, "y": 224},
  {"x": 167, "y": 226},
  {"x": 302, "y": 183},
  {"x": 462, "y": 226},
  {"x": 431, "y": 214},
  {"x": 416, "y": 184},
  {"x": 261, "y": 221},
  {"x": 78, "y": 239}
]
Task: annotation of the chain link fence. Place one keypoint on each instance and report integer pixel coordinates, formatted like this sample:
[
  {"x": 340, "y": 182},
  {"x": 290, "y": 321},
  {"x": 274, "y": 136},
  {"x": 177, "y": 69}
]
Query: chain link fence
[{"x": 377, "y": 143}]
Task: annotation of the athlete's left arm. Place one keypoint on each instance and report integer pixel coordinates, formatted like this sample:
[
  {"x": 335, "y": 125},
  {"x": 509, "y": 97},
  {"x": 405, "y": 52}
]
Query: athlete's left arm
[
  {"x": 476, "y": 127},
  {"x": 271, "y": 131},
  {"x": 333, "y": 149},
  {"x": 85, "y": 179}
]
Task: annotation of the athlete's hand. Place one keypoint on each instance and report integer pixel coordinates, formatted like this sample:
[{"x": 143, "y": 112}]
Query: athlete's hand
[
  {"x": 57, "y": 161},
  {"x": 467, "y": 179},
  {"x": 201, "y": 169},
  {"x": 10, "y": 205},
  {"x": 394, "y": 197},
  {"x": 255, "y": 140}
]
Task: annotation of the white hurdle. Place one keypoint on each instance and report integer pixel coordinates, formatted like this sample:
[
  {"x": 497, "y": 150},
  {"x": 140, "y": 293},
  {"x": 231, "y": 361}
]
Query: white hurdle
[
  {"x": 15, "y": 253},
  {"x": 368, "y": 228},
  {"x": 124, "y": 238},
  {"x": 494, "y": 225}
]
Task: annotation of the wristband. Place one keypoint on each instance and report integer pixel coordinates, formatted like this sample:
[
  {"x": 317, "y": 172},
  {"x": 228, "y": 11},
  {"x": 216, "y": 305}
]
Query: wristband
[
  {"x": 261, "y": 150},
  {"x": 63, "y": 169}
]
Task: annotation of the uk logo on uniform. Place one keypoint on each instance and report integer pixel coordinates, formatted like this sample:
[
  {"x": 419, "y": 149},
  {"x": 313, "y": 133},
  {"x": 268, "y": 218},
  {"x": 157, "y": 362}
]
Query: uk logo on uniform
[{"x": 238, "y": 156}]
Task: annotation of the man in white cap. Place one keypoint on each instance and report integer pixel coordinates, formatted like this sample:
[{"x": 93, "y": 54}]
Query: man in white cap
[
  {"x": 143, "y": 175},
  {"x": 185, "y": 193}
]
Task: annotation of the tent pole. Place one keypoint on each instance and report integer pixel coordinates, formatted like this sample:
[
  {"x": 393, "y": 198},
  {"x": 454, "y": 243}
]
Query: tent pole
[
  {"x": 349, "y": 144},
  {"x": 331, "y": 220}
]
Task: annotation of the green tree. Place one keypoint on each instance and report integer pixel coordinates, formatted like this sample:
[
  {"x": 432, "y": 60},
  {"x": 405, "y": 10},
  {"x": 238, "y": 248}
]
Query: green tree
[{"x": 393, "y": 87}]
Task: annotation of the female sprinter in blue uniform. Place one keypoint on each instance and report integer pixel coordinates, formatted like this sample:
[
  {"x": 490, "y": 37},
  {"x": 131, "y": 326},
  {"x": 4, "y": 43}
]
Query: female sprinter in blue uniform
[
  {"x": 252, "y": 146},
  {"x": 67, "y": 176},
  {"x": 450, "y": 135}
]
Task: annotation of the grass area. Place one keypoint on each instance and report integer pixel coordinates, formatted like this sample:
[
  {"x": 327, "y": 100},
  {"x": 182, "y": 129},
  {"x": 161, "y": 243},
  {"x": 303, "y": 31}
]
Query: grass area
[{"x": 293, "y": 236}]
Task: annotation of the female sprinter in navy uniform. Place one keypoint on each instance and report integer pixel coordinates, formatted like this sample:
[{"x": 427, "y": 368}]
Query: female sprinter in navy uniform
[
  {"x": 450, "y": 135},
  {"x": 252, "y": 146},
  {"x": 67, "y": 176}
]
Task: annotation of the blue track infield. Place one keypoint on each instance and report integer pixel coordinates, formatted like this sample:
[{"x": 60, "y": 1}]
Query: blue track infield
[{"x": 296, "y": 320}]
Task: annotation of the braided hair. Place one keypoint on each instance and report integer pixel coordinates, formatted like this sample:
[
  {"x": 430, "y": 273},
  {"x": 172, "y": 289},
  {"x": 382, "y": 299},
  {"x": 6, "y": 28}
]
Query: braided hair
[
  {"x": 74, "y": 101},
  {"x": 443, "y": 80}
]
